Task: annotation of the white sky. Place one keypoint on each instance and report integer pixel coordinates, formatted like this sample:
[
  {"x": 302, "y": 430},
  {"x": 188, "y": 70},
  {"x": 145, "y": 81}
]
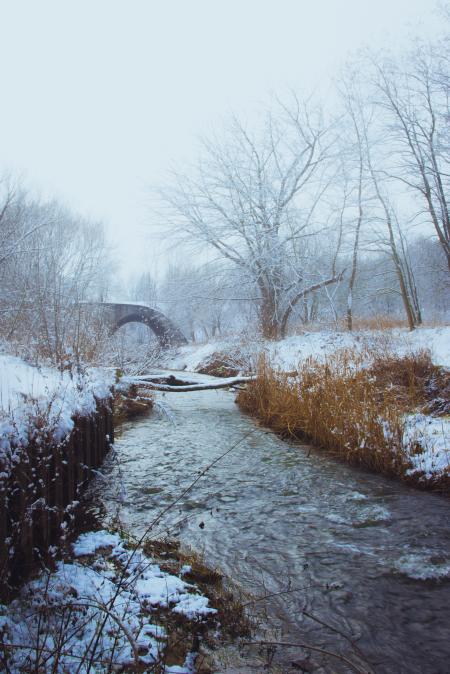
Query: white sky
[{"x": 100, "y": 97}]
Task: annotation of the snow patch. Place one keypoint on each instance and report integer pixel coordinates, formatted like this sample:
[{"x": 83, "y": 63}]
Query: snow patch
[
  {"x": 427, "y": 442},
  {"x": 287, "y": 353},
  {"x": 87, "y": 544},
  {"x": 113, "y": 601}
]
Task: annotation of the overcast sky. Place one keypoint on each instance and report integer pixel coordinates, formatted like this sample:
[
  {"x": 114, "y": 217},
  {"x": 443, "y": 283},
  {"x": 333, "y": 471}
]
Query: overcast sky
[{"x": 100, "y": 97}]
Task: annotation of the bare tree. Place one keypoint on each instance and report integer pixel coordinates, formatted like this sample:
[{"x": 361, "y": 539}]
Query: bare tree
[
  {"x": 356, "y": 162},
  {"x": 57, "y": 262},
  {"x": 415, "y": 95},
  {"x": 253, "y": 198},
  {"x": 15, "y": 226},
  {"x": 373, "y": 202},
  {"x": 145, "y": 289}
]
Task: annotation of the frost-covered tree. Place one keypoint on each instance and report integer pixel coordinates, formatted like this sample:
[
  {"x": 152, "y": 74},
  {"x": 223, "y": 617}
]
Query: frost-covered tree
[
  {"x": 204, "y": 300},
  {"x": 57, "y": 262},
  {"x": 414, "y": 94},
  {"x": 145, "y": 289},
  {"x": 253, "y": 198}
]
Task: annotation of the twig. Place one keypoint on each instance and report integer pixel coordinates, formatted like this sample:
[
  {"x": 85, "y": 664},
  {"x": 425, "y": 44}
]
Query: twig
[{"x": 311, "y": 648}]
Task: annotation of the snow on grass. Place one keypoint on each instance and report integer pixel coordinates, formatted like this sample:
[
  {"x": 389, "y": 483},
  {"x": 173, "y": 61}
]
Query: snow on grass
[
  {"x": 153, "y": 586},
  {"x": 426, "y": 440},
  {"x": 191, "y": 356},
  {"x": 104, "y": 611},
  {"x": 399, "y": 341},
  {"x": 34, "y": 398},
  {"x": 287, "y": 353},
  {"x": 437, "y": 340}
]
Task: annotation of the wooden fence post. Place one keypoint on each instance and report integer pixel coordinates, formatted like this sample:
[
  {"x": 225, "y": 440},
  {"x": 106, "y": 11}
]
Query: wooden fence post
[
  {"x": 44, "y": 513},
  {"x": 4, "y": 548},
  {"x": 78, "y": 475},
  {"x": 57, "y": 496},
  {"x": 36, "y": 491}
]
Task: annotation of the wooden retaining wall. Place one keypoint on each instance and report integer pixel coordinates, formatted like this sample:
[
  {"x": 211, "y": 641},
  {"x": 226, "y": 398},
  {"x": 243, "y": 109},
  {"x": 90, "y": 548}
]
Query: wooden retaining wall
[{"x": 40, "y": 494}]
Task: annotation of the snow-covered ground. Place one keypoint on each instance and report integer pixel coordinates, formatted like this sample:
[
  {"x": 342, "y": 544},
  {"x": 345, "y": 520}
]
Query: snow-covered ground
[
  {"x": 29, "y": 393},
  {"x": 287, "y": 353},
  {"x": 112, "y": 595}
]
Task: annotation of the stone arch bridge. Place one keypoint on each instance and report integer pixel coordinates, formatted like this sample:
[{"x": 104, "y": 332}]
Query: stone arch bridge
[{"x": 118, "y": 314}]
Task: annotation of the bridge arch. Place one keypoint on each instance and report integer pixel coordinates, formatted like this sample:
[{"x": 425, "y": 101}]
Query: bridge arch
[{"x": 167, "y": 333}]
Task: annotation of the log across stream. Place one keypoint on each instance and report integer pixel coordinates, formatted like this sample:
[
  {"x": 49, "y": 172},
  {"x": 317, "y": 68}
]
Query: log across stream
[{"x": 367, "y": 556}]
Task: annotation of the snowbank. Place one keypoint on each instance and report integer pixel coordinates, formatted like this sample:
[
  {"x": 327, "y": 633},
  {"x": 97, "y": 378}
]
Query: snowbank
[
  {"x": 287, "y": 353},
  {"x": 41, "y": 402}
]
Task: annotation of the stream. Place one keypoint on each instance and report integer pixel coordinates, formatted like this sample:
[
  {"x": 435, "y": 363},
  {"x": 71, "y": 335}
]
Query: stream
[{"x": 367, "y": 556}]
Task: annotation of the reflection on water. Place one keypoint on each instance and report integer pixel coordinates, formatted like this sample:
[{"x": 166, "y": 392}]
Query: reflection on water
[{"x": 372, "y": 556}]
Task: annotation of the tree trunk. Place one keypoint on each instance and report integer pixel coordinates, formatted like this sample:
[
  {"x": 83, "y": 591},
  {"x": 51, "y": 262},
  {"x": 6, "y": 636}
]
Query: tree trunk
[
  {"x": 268, "y": 315},
  {"x": 352, "y": 280}
]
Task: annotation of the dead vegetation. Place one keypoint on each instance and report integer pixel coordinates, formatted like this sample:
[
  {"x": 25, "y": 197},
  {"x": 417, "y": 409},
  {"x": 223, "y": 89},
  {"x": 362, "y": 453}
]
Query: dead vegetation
[
  {"x": 352, "y": 405},
  {"x": 238, "y": 359},
  {"x": 131, "y": 403},
  {"x": 377, "y": 322},
  {"x": 415, "y": 380}
]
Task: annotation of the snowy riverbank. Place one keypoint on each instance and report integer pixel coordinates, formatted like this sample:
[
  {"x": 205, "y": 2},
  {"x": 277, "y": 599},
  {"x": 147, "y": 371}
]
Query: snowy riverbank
[
  {"x": 109, "y": 608},
  {"x": 42, "y": 402},
  {"x": 426, "y": 437}
]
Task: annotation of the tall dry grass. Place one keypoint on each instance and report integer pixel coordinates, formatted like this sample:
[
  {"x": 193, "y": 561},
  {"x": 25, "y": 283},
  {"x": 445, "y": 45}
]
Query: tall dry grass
[
  {"x": 377, "y": 322},
  {"x": 350, "y": 404}
]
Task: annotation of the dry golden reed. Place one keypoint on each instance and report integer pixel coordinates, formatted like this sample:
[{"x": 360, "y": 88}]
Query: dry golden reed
[{"x": 350, "y": 404}]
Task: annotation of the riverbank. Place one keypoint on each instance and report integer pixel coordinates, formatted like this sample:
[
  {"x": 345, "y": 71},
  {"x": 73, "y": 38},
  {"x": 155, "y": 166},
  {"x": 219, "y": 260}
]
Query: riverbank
[
  {"x": 376, "y": 399},
  {"x": 55, "y": 429},
  {"x": 102, "y": 601},
  {"x": 130, "y": 402},
  {"x": 386, "y": 413}
]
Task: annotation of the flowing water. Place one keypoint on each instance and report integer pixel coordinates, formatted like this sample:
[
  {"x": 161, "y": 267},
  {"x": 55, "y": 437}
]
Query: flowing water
[{"x": 367, "y": 556}]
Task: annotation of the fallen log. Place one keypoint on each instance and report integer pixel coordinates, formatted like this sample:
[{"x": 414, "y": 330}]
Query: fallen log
[
  {"x": 159, "y": 379},
  {"x": 201, "y": 386}
]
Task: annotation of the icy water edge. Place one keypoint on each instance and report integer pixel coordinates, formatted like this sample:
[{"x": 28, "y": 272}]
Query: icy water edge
[{"x": 371, "y": 556}]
